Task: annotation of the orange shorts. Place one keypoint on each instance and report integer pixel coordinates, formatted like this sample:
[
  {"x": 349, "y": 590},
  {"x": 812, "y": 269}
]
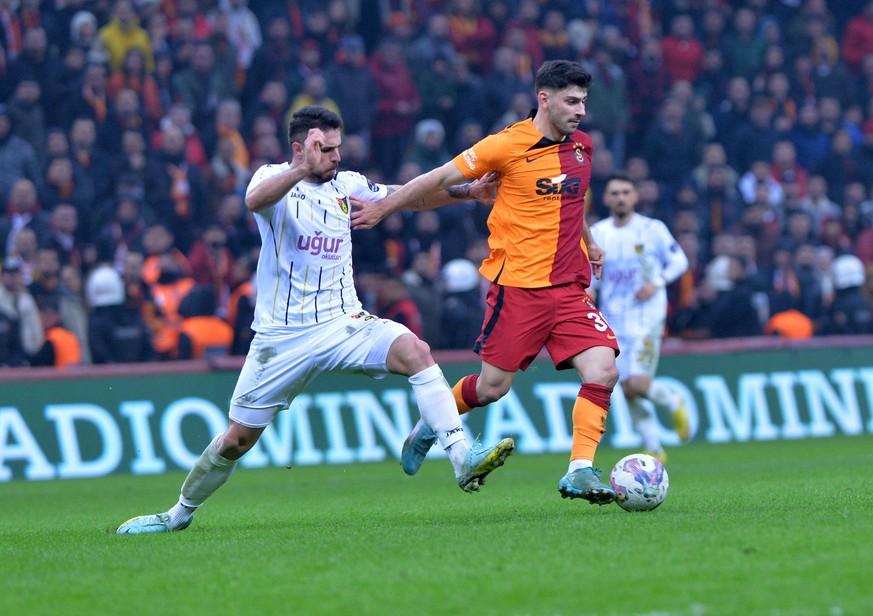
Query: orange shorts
[{"x": 520, "y": 322}]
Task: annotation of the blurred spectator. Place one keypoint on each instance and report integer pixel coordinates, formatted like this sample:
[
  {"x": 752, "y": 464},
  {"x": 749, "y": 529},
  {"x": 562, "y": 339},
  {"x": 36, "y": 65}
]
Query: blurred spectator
[
  {"x": 25, "y": 109},
  {"x": 502, "y": 84},
  {"x": 431, "y": 44},
  {"x": 21, "y": 333},
  {"x": 470, "y": 105},
  {"x": 647, "y": 81},
  {"x": 436, "y": 86},
  {"x": 351, "y": 85},
  {"x": 34, "y": 62},
  {"x": 396, "y": 108},
  {"x": 743, "y": 45},
  {"x": 244, "y": 30},
  {"x": 168, "y": 291},
  {"x": 839, "y": 167},
  {"x": 274, "y": 60},
  {"x": 817, "y": 203},
  {"x": 522, "y": 32},
  {"x": 64, "y": 234},
  {"x": 683, "y": 54},
  {"x": 179, "y": 115},
  {"x": 810, "y": 142},
  {"x": 176, "y": 192},
  {"x": 66, "y": 183},
  {"x": 783, "y": 287},
  {"x": 241, "y": 304},
  {"x": 858, "y": 39},
  {"x": 90, "y": 99},
  {"x": 61, "y": 347},
  {"x": 755, "y": 139},
  {"x": 808, "y": 277},
  {"x": 730, "y": 116},
  {"x": 133, "y": 76},
  {"x": 23, "y": 211},
  {"x": 313, "y": 91},
  {"x": 785, "y": 168},
  {"x": 211, "y": 264},
  {"x": 395, "y": 303},
  {"x": 608, "y": 107},
  {"x": 726, "y": 309},
  {"x": 116, "y": 333},
  {"x": 17, "y": 157},
  {"x": 199, "y": 86},
  {"x": 123, "y": 233},
  {"x": 464, "y": 308},
  {"x": 429, "y": 147},
  {"x": 238, "y": 225},
  {"x": 45, "y": 277},
  {"x": 72, "y": 308},
  {"x": 472, "y": 34},
  {"x": 202, "y": 333},
  {"x": 95, "y": 164},
  {"x": 671, "y": 147},
  {"x": 122, "y": 33},
  {"x": 851, "y": 312},
  {"x": 425, "y": 290}
]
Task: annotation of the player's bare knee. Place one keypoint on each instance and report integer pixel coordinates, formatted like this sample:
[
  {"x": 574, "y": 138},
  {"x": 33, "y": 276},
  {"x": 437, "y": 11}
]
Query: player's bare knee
[
  {"x": 409, "y": 355},
  {"x": 491, "y": 392},
  {"x": 237, "y": 442},
  {"x": 606, "y": 376}
]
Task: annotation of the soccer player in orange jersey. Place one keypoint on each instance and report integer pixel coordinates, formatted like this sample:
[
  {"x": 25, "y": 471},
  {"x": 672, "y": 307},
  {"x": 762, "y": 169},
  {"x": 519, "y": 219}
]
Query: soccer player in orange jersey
[{"x": 538, "y": 269}]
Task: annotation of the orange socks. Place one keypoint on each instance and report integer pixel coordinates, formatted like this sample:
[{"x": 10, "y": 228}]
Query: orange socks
[
  {"x": 589, "y": 420},
  {"x": 465, "y": 394}
]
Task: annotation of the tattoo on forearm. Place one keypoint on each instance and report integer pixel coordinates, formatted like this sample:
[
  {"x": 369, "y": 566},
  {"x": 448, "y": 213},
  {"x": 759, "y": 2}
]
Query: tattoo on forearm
[{"x": 459, "y": 191}]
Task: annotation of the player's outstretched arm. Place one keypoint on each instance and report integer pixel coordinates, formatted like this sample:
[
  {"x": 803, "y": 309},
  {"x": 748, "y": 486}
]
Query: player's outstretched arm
[
  {"x": 482, "y": 189},
  {"x": 420, "y": 193}
]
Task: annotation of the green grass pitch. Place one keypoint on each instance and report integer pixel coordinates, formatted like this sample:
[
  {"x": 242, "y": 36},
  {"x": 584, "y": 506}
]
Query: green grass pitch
[{"x": 779, "y": 528}]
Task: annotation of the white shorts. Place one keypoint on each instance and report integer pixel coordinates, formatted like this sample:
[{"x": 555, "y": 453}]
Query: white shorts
[
  {"x": 281, "y": 363},
  {"x": 639, "y": 355}
]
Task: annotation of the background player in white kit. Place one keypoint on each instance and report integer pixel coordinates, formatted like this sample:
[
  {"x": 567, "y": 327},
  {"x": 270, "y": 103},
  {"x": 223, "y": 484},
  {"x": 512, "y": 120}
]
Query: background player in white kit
[
  {"x": 309, "y": 321},
  {"x": 642, "y": 258}
]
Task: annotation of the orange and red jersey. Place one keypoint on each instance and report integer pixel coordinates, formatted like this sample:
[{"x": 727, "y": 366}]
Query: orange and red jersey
[{"x": 537, "y": 219}]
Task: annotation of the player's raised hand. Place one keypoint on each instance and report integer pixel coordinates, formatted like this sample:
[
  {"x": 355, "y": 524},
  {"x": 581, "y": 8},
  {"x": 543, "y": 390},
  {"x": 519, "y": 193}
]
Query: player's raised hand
[{"x": 312, "y": 149}]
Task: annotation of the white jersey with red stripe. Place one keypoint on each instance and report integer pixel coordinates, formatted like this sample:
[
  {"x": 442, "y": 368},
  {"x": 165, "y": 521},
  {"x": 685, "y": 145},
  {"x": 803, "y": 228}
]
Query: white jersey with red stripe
[{"x": 305, "y": 266}]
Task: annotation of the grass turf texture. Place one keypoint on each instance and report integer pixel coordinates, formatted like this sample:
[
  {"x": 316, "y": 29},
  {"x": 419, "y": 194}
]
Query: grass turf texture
[{"x": 766, "y": 528}]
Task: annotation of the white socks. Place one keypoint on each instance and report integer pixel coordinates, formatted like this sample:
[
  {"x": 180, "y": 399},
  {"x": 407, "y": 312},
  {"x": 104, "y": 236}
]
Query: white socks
[
  {"x": 436, "y": 403},
  {"x": 575, "y": 465},
  {"x": 208, "y": 474},
  {"x": 643, "y": 418},
  {"x": 663, "y": 396}
]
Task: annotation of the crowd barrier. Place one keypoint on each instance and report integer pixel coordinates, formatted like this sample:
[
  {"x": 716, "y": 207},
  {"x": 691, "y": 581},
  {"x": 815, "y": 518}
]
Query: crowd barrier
[{"x": 92, "y": 421}]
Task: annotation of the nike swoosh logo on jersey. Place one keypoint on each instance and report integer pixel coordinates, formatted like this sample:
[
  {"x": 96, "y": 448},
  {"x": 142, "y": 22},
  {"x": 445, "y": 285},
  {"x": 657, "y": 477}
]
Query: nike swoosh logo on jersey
[
  {"x": 610, "y": 337},
  {"x": 530, "y": 159}
]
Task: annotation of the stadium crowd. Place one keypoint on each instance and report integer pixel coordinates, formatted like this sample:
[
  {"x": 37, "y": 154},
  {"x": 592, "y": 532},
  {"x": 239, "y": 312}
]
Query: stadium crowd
[{"x": 129, "y": 130}]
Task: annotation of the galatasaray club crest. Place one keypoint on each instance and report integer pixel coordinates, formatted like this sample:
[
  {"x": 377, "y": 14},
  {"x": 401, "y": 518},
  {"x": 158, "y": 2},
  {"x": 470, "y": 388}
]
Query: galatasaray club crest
[
  {"x": 343, "y": 203},
  {"x": 638, "y": 248},
  {"x": 579, "y": 154}
]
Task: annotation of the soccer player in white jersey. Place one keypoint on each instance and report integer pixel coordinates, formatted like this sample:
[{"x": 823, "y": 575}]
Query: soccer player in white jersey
[
  {"x": 308, "y": 319},
  {"x": 642, "y": 258}
]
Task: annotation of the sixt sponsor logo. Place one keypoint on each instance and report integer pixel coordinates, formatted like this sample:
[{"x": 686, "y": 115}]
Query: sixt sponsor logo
[
  {"x": 318, "y": 245},
  {"x": 561, "y": 185}
]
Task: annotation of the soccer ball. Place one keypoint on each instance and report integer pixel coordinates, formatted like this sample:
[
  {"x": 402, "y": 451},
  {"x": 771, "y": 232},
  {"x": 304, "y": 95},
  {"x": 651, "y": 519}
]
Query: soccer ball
[{"x": 640, "y": 482}]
